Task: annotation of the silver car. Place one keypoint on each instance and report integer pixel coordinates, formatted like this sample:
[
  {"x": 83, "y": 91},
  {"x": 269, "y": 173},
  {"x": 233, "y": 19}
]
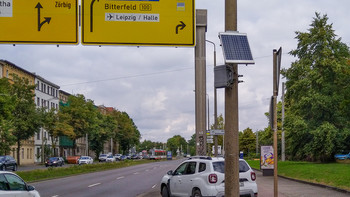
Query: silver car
[{"x": 13, "y": 185}]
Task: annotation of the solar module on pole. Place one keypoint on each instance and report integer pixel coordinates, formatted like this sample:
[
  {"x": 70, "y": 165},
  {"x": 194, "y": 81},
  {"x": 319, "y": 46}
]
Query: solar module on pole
[{"x": 236, "y": 48}]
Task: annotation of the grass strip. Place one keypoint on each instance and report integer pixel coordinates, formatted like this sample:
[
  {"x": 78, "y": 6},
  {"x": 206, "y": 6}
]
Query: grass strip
[
  {"x": 331, "y": 174},
  {"x": 54, "y": 172}
]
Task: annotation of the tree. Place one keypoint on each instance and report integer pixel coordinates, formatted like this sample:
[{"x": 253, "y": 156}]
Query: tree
[
  {"x": 6, "y": 107},
  {"x": 128, "y": 135},
  {"x": 26, "y": 116},
  {"x": 247, "y": 141},
  {"x": 318, "y": 94},
  {"x": 176, "y": 143}
]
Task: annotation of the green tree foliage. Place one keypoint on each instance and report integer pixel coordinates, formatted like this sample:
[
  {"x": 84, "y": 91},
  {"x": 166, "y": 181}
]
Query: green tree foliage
[
  {"x": 128, "y": 135},
  {"x": 247, "y": 141},
  {"x": 27, "y": 120},
  {"x": 192, "y": 145},
  {"x": 176, "y": 143},
  {"x": 6, "y": 107},
  {"x": 147, "y": 145},
  {"x": 317, "y": 100}
]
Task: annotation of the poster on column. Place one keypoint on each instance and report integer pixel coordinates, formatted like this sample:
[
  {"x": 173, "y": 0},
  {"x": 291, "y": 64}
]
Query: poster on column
[{"x": 267, "y": 158}]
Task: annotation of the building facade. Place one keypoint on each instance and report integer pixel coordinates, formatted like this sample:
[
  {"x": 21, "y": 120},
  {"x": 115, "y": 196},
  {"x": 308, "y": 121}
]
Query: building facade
[
  {"x": 47, "y": 97},
  {"x": 27, "y": 146}
]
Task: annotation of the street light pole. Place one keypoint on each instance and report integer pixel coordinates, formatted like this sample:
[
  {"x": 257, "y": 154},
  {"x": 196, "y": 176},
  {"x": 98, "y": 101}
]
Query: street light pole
[{"x": 215, "y": 106}]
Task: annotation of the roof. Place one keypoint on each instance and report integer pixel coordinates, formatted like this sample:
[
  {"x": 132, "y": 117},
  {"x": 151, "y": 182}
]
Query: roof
[{"x": 17, "y": 67}]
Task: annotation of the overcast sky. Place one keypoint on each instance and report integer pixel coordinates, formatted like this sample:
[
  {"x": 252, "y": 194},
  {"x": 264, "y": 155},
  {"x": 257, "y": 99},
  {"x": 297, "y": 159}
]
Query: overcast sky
[{"x": 154, "y": 85}]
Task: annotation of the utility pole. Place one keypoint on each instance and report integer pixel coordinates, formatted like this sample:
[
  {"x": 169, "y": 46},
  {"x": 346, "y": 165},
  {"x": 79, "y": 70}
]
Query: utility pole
[
  {"x": 200, "y": 82},
  {"x": 215, "y": 106},
  {"x": 275, "y": 93},
  {"x": 231, "y": 114}
]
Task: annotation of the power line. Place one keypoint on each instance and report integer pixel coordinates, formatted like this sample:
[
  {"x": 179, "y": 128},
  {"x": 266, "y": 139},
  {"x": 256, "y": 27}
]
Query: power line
[{"x": 131, "y": 76}]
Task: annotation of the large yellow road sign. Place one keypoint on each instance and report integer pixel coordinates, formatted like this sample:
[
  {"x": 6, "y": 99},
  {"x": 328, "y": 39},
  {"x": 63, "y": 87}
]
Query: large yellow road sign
[
  {"x": 39, "y": 21},
  {"x": 138, "y": 22}
]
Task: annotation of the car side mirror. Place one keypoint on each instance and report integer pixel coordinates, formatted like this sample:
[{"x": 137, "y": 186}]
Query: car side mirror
[
  {"x": 170, "y": 172},
  {"x": 30, "y": 188}
]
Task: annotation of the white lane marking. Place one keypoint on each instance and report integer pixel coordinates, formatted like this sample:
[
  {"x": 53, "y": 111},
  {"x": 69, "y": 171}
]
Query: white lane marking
[
  {"x": 94, "y": 184},
  {"x": 121, "y": 177},
  {"x": 55, "y": 196},
  {"x": 136, "y": 172},
  {"x": 147, "y": 170},
  {"x": 154, "y": 186}
]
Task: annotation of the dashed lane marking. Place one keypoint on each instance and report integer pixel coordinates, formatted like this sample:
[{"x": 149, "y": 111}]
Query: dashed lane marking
[{"x": 94, "y": 184}]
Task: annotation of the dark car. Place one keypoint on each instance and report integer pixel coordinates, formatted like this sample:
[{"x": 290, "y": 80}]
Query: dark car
[
  {"x": 8, "y": 163},
  {"x": 54, "y": 161}
]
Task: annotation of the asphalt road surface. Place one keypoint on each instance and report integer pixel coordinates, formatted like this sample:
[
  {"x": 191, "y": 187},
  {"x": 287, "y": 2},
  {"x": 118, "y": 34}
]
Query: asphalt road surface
[{"x": 124, "y": 182}]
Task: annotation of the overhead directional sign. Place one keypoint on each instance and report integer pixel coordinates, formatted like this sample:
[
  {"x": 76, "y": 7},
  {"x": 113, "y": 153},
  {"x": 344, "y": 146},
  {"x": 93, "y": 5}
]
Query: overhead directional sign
[
  {"x": 138, "y": 22},
  {"x": 217, "y": 132},
  {"x": 39, "y": 21}
]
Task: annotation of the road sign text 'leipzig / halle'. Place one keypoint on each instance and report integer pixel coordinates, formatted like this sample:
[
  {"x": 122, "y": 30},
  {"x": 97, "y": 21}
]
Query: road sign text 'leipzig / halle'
[{"x": 138, "y": 22}]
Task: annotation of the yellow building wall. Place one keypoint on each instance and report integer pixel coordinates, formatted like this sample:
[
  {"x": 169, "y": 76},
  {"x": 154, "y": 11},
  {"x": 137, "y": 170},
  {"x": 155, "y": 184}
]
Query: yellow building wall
[{"x": 27, "y": 147}]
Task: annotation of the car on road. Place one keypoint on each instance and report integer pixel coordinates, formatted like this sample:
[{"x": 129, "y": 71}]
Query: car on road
[
  {"x": 117, "y": 156},
  {"x": 85, "y": 160},
  {"x": 13, "y": 185},
  {"x": 102, "y": 157},
  {"x": 54, "y": 161},
  {"x": 122, "y": 158},
  {"x": 204, "y": 176},
  {"x": 110, "y": 158},
  {"x": 8, "y": 163}
]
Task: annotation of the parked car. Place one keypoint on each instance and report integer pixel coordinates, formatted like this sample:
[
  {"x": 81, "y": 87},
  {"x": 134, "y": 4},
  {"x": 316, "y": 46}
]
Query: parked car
[
  {"x": 54, "y": 161},
  {"x": 122, "y": 158},
  {"x": 204, "y": 176},
  {"x": 8, "y": 163},
  {"x": 73, "y": 159},
  {"x": 102, "y": 157},
  {"x": 13, "y": 185},
  {"x": 85, "y": 160},
  {"x": 117, "y": 156},
  {"x": 110, "y": 158}
]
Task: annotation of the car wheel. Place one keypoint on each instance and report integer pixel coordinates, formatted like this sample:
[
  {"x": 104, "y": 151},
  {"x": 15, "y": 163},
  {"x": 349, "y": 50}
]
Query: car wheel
[
  {"x": 14, "y": 168},
  {"x": 165, "y": 192},
  {"x": 197, "y": 193}
]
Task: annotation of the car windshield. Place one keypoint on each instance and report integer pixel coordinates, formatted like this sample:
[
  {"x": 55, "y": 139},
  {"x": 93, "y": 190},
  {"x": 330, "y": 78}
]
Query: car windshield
[
  {"x": 220, "y": 166},
  {"x": 53, "y": 158},
  {"x": 103, "y": 155},
  {"x": 2, "y": 158},
  {"x": 110, "y": 157},
  {"x": 84, "y": 157}
]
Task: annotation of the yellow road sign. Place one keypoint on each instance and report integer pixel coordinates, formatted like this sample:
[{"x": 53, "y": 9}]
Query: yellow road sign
[
  {"x": 138, "y": 22},
  {"x": 39, "y": 22}
]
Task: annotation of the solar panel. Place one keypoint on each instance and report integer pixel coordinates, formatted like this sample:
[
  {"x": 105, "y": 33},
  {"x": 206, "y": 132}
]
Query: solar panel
[{"x": 236, "y": 48}]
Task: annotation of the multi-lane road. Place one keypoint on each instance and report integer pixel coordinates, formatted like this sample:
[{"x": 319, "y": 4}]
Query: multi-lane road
[
  {"x": 143, "y": 181},
  {"x": 126, "y": 182}
]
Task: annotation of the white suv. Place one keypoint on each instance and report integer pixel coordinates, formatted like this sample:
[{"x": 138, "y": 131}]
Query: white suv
[{"x": 204, "y": 176}]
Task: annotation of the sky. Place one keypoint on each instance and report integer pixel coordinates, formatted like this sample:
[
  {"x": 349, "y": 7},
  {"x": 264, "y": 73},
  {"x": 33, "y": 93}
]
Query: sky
[{"x": 155, "y": 85}]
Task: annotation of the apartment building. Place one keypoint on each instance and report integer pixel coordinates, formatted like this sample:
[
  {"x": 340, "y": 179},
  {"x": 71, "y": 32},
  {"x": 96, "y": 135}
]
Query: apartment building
[
  {"x": 47, "y": 97},
  {"x": 27, "y": 146}
]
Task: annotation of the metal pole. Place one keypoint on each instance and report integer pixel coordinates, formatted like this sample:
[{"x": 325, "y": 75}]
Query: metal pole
[
  {"x": 283, "y": 140},
  {"x": 231, "y": 114},
  {"x": 275, "y": 156},
  {"x": 215, "y": 106}
]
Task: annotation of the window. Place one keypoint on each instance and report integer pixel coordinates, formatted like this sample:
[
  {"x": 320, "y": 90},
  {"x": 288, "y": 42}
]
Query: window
[
  {"x": 37, "y": 85},
  {"x": 38, "y": 135},
  {"x": 22, "y": 153},
  {"x": 181, "y": 169},
  {"x": 3, "y": 183},
  {"x": 31, "y": 153},
  {"x": 44, "y": 90},
  {"x": 243, "y": 167},
  {"x": 38, "y": 101},
  {"x": 191, "y": 168},
  {"x": 7, "y": 73},
  {"x": 27, "y": 153},
  {"x": 42, "y": 87},
  {"x": 219, "y": 166},
  {"x": 15, "y": 182},
  {"x": 202, "y": 167}
]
